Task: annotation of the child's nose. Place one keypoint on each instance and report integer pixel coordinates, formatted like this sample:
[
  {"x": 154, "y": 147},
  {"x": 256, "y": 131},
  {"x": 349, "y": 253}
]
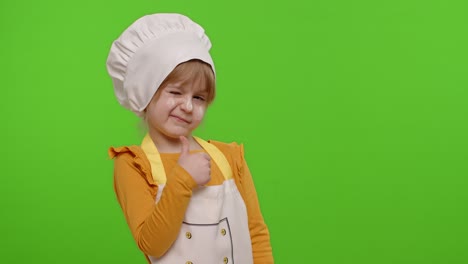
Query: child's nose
[{"x": 186, "y": 104}]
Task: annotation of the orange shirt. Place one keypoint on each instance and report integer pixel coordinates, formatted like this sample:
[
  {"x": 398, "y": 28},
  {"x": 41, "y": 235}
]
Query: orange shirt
[{"x": 155, "y": 226}]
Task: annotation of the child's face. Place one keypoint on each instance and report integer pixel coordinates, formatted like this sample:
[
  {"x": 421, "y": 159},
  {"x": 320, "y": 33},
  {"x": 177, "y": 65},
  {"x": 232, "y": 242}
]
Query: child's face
[{"x": 176, "y": 110}]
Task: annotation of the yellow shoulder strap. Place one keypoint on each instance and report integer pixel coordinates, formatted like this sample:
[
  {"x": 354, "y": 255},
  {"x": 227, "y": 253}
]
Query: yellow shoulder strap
[
  {"x": 152, "y": 153},
  {"x": 217, "y": 156},
  {"x": 157, "y": 167}
]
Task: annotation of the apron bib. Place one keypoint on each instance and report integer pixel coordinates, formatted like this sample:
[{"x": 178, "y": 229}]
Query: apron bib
[{"x": 215, "y": 228}]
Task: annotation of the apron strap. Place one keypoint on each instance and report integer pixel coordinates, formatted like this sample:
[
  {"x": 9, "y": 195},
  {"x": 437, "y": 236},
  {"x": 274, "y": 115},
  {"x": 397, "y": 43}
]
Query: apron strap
[
  {"x": 152, "y": 153},
  {"x": 218, "y": 157},
  {"x": 157, "y": 169}
]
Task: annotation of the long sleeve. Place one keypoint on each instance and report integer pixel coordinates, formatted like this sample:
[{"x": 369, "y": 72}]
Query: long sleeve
[
  {"x": 259, "y": 234},
  {"x": 154, "y": 226}
]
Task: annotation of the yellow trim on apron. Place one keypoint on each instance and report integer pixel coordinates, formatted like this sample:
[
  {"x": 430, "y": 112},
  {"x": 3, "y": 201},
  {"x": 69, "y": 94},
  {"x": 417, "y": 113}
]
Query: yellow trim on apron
[{"x": 157, "y": 168}]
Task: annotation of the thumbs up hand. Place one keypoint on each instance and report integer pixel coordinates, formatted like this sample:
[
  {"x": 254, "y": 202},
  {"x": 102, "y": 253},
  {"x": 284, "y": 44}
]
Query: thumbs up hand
[{"x": 198, "y": 164}]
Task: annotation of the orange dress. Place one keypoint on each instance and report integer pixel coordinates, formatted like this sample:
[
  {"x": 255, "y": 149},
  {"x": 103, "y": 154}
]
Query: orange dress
[{"x": 156, "y": 226}]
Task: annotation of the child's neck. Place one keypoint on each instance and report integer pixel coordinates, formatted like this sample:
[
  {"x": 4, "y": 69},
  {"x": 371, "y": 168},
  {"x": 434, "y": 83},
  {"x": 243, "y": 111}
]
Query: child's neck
[{"x": 166, "y": 144}]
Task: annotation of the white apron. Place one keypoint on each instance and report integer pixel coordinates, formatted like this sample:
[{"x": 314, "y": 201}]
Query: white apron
[{"x": 215, "y": 228}]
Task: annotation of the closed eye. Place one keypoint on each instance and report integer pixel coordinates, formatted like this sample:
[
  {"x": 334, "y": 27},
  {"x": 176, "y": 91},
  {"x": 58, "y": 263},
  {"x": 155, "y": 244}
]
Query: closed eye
[
  {"x": 175, "y": 92},
  {"x": 201, "y": 98}
]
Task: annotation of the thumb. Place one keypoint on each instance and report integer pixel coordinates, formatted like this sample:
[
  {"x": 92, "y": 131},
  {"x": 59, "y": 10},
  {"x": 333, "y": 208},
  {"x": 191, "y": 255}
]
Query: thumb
[{"x": 185, "y": 146}]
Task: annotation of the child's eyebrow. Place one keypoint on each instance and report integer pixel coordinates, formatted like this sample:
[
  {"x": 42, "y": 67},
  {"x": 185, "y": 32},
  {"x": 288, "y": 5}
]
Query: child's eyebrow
[{"x": 201, "y": 90}]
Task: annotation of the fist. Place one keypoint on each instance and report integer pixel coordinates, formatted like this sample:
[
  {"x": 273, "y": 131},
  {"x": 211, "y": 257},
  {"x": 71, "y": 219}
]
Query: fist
[{"x": 198, "y": 165}]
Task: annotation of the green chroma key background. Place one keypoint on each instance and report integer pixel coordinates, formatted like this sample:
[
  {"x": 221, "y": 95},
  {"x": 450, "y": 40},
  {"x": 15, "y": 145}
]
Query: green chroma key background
[{"x": 353, "y": 115}]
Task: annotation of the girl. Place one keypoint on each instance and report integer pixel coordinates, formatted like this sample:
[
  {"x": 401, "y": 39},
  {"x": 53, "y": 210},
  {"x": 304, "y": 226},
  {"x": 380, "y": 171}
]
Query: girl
[{"x": 185, "y": 200}]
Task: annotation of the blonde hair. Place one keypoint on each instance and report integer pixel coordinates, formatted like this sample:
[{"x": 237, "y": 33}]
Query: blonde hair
[{"x": 196, "y": 72}]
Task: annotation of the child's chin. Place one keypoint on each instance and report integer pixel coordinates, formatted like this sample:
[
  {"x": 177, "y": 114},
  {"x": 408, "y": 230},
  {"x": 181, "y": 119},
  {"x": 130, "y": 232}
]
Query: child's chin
[{"x": 177, "y": 134}]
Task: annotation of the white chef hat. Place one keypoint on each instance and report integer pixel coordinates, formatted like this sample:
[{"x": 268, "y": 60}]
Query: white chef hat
[{"x": 147, "y": 52}]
